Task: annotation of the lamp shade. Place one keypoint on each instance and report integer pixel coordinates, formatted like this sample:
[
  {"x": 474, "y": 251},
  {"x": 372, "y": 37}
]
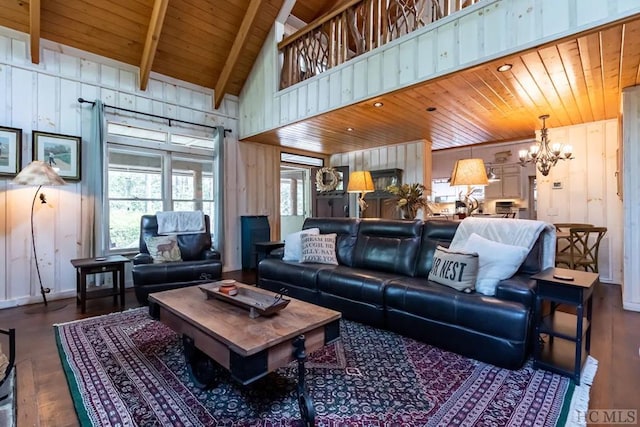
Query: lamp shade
[
  {"x": 38, "y": 173},
  {"x": 469, "y": 172},
  {"x": 360, "y": 182}
]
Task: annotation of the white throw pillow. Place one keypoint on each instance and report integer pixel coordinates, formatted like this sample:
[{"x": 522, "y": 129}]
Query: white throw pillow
[
  {"x": 293, "y": 244},
  {"x": 497, "y": 261},
  {"x": 320, "y": 249}
]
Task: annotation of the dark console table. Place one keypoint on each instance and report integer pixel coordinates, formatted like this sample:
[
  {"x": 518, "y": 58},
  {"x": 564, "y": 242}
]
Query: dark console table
[
  {"x": 568, "y": 336},
  {"x": 84, "y": 266}
]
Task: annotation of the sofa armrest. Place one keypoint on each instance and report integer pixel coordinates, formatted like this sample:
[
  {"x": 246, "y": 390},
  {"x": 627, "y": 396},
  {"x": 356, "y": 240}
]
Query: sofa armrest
[
  {"x": 211, "y": 254},
  {"x": 276, "y": 253},
  {"x": 142, "y": 258},
  {"x": 518, "y": 288}
]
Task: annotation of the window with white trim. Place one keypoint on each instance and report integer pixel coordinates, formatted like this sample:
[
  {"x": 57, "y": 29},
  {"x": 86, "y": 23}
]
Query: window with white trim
[{"x": 153, "y": 170}]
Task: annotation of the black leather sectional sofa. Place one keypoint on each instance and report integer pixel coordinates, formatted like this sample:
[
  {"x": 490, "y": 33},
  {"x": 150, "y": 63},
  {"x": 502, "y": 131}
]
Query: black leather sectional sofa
[{"x": 382, "y": 280}]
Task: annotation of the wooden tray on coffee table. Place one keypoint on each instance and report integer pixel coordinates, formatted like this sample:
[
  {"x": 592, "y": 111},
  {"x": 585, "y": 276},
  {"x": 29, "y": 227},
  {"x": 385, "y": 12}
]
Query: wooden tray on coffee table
[{"x": 259, "y": 302}]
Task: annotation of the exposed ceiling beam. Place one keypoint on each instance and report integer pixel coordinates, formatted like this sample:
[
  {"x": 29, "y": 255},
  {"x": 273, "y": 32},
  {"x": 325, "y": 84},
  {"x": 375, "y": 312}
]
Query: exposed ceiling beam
[
  {"x": 34, "y": 30},
  {"x": 151, "y": 43},
  {"x": 236, "y": 49}
]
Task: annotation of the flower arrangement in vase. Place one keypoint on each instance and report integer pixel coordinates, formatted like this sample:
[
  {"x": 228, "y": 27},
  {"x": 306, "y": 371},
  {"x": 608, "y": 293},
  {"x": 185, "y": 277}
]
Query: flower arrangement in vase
[{"x": 409, "y": 198}]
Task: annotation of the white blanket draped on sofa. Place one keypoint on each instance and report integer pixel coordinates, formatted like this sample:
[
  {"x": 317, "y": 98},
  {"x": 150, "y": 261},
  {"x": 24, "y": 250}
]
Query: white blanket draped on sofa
[
  {"x": 180, "y": 222},
  {"x": 518, "y": 232}
]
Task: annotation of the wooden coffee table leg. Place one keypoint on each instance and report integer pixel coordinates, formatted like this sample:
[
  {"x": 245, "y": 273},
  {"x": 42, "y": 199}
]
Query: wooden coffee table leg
[
  {"x": 201, "y": 367},
  {"x": 307, "y": 410}
]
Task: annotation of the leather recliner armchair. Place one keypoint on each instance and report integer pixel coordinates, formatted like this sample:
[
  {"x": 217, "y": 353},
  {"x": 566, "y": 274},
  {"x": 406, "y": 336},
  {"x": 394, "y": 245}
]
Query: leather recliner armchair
[{"x": 200, "y": 263}]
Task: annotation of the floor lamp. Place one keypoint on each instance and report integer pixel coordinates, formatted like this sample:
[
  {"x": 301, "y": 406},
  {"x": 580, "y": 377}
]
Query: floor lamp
[
  {"x": 360, "y": 182},
  {"x": 469, "y": 172},
  {"x": 39, "y": 173}
]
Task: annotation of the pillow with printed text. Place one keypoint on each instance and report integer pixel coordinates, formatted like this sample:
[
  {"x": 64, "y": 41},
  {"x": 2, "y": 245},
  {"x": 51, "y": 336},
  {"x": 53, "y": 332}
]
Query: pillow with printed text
[{"x": 320, "y": 248}]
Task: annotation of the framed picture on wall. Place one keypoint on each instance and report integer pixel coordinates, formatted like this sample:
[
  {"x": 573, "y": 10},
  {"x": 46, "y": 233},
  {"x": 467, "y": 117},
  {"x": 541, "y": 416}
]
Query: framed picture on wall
[
  {"x": 62, "y": 152},
  {"x": 10, "y": 151}
]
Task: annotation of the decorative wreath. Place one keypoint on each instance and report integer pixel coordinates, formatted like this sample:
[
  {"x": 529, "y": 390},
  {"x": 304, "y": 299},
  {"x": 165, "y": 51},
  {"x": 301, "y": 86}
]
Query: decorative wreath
[{"x": 332, "y": 183}]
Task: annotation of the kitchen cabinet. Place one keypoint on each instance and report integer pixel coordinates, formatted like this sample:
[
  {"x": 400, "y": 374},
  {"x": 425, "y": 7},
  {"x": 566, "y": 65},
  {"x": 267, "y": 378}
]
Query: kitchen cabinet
[{"x": 509, "y": 186}]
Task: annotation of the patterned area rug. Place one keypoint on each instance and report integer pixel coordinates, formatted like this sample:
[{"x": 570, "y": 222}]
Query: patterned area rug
[{"x": 128, "y": 369}]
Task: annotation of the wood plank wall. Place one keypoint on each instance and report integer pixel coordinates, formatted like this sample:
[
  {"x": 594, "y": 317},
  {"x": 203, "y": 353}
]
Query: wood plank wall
[
  {"x": 631, "y": 183},
  {"x": 588, "y": 193},
  {"x": 479, "y": 33},
  {"x": 44, "y": 97},
  {"x": 409, "y": 157}
]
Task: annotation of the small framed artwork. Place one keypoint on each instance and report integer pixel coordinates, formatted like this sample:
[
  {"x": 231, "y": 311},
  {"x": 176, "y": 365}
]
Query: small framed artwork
[
  {"x": 10, "y": 151},
  {"x": 557, "y": 185},
  {"x": 61, "y": 152}
]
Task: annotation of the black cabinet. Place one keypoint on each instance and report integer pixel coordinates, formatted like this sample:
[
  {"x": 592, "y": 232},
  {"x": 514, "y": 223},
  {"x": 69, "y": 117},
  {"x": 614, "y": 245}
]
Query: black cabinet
[
  {"x": 254, "y": 228},
  {"x": 380, "y": 202}
]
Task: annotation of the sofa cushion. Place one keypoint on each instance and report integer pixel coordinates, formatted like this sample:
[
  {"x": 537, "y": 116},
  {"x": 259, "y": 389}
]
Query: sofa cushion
[
  {"x": 319, "y": 248},
  {"x": 497, "y": 261},
  {"x": 487, "y": 315},
  {"x": 354, "y": 283},
  {"x": 293, "y": 244},
  {"x": 455, "y": 269},
  {"x": 387, "y": 245},
  {"x": 533, "y": 262},
  {"x": 163, "y": 248},
  {"x": 294, "y": 273},
  {"x": 193, "y": 246},
  {"x": 434, "y": 234},
  {"x": 346, "y": 230}
]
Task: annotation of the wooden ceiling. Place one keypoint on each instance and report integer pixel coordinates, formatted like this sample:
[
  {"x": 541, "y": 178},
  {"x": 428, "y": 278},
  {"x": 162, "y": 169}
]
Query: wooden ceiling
[
  {"x": 211, "y": 44},
  {"x": 214, "y": 44},
  {"x": 575, "y": 80}
]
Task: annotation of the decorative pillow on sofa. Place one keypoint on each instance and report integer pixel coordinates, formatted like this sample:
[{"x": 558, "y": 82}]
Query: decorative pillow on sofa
[
  {"x": 497, "y": 261},
  {"x": 163, "y": 249},
  {"x": 455, "y": 269},
  {"x": 293, "y": 244},
  {"x": 319, "y": 248}
]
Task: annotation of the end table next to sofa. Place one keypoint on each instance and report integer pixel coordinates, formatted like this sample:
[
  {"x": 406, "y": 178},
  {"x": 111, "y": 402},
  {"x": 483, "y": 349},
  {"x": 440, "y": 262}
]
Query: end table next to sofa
[
  {"x": 568, "y": 336},
  {"x": 84, "y": 266}
]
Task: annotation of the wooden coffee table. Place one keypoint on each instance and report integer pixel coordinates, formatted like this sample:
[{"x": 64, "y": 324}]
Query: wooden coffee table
[{"x": 249, "y": 349}]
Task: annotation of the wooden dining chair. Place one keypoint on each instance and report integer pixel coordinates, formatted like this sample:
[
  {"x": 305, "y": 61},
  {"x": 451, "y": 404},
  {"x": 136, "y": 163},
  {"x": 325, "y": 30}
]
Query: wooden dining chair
[
  {"x": 583, "y": 248},
  {"x": 565, "y": 226},
  {"x": 563, "y": 236}
]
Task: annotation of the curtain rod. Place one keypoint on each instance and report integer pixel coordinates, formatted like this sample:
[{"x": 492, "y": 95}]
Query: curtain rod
[{"x": 84, "y": 101}]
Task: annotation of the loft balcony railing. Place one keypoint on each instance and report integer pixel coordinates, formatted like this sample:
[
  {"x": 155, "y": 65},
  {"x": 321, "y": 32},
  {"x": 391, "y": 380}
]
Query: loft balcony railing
[{"x": 356, "y": 27}]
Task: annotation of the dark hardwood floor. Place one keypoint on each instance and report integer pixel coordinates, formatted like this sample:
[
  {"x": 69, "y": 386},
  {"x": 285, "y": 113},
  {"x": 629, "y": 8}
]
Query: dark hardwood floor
[{"x": 43, "y": 398}]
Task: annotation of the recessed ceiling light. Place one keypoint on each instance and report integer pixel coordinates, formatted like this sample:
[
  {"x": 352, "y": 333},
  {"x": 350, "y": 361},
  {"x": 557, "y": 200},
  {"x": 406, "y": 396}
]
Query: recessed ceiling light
[
  {"x": 378, "y": 104},
  {"x": 349, "y": 129},
  {"x": 430, "y": 109},
  {"x": 504, "y": 67}
]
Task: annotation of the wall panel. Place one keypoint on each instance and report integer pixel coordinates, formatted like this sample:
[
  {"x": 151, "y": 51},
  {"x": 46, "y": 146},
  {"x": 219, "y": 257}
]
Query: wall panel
[
  {"x": 44, "y": 97},
  {"x": 401, "y": 156}
]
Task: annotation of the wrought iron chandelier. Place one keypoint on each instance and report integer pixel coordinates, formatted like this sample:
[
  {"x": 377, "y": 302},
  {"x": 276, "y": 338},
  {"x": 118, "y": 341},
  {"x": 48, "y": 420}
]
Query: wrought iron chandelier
[{"x": 543, "y": 153}]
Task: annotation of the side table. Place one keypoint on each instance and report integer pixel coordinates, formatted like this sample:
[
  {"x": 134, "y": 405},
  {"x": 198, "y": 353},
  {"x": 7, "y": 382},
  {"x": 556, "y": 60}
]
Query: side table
[
  {"x": 84, "y": 266},
  {"x": 263, "y": 249},
  {"x": 568, "y": 335}
]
